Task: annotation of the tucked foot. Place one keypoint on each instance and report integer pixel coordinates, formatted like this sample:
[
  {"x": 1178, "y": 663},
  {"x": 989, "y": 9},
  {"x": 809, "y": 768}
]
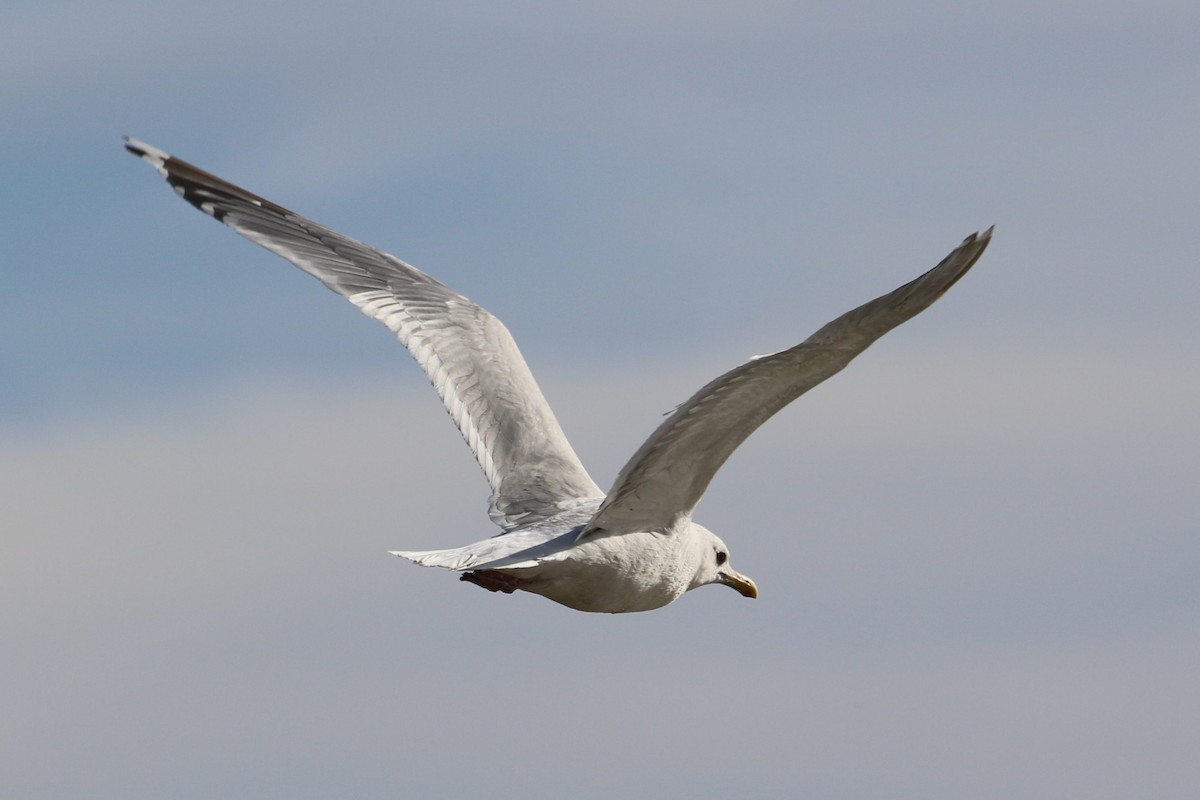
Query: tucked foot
[{"x": 493, "y": 580}]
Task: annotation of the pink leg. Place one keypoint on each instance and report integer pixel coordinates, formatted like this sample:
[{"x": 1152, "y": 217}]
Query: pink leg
[{"x": 493, "y": 580}]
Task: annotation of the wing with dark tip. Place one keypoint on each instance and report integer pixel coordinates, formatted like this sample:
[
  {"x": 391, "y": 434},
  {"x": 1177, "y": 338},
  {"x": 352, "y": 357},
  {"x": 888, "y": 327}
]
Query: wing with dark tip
[
  {"x": 666, "y": 477},
  {"x": 469, "y": 356}
]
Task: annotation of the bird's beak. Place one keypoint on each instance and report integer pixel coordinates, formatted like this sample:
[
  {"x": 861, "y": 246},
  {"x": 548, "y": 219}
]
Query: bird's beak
[{"x": 738, "y": 582}]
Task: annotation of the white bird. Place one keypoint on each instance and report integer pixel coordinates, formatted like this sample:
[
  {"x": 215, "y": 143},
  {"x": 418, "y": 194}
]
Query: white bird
[{"x": 635, "y": 549}]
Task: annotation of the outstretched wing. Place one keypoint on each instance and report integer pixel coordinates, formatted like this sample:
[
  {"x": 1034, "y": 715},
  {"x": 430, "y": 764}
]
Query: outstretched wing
[
  {"x": 666, "y": 477},
  {"x": 468, "y": 354}
]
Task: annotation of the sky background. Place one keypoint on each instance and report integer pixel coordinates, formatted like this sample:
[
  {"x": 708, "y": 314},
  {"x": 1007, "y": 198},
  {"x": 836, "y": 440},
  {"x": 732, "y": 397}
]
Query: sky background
[{"x": 977, "y": 548}]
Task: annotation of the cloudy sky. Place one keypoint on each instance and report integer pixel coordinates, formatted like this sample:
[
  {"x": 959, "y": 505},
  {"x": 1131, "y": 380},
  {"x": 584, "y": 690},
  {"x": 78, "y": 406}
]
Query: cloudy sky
[{"x": 977, "y": 548}]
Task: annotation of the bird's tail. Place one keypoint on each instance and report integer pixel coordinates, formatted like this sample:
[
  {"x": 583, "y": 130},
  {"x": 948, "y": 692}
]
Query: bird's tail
[
  {"x": 458, "y": 558},
  {"x": 513, "y": 550}
]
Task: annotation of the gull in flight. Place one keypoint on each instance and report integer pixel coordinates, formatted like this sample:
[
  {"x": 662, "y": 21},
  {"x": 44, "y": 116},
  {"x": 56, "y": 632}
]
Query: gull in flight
[{"x": 634, "y": 549}]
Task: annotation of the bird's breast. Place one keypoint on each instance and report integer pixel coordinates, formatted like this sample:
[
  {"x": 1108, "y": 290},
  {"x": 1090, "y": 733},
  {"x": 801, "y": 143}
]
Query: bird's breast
[{"x": 615, "y": 573}]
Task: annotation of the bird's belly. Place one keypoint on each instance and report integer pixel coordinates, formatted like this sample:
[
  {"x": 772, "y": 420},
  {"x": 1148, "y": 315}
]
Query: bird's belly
[{"x": 612, "y": 575}]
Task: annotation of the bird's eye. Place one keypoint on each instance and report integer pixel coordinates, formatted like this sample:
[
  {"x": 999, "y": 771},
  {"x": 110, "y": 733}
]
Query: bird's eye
[{"x": 722, "y": 557}]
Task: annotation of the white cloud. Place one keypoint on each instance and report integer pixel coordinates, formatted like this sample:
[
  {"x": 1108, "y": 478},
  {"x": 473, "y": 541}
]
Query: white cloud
[{"x": 206, "y": 592}]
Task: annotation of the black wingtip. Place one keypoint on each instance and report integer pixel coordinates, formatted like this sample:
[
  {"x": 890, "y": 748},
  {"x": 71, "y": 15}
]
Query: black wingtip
[
  {"x": 980, "y": 237},
  {"x": 149, "y": 152}
]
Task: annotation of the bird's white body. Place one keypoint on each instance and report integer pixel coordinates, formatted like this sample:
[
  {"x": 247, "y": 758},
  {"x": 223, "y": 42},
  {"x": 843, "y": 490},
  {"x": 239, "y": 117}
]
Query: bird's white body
[
  {"x": 637, "y": 571},
  {"x": 614, "y": 573},
  {"x": 635, "y": 548}
]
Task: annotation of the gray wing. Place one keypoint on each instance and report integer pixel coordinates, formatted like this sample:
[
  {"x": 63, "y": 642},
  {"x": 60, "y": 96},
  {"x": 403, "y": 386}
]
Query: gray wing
[
  {"x": 469, "y": 356},
  {"x": 666, "y": 477}
]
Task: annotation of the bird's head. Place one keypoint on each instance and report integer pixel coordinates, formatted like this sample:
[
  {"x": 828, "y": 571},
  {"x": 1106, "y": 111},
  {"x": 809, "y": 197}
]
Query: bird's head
[{"x": 714, "y": 564}]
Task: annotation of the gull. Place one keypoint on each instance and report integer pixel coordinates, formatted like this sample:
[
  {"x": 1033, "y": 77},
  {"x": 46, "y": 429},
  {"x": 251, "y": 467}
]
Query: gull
[{"x": 634, "y": 549}]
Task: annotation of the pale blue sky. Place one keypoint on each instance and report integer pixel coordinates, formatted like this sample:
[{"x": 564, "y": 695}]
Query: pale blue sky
[{"x": 977, "y": 548}]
